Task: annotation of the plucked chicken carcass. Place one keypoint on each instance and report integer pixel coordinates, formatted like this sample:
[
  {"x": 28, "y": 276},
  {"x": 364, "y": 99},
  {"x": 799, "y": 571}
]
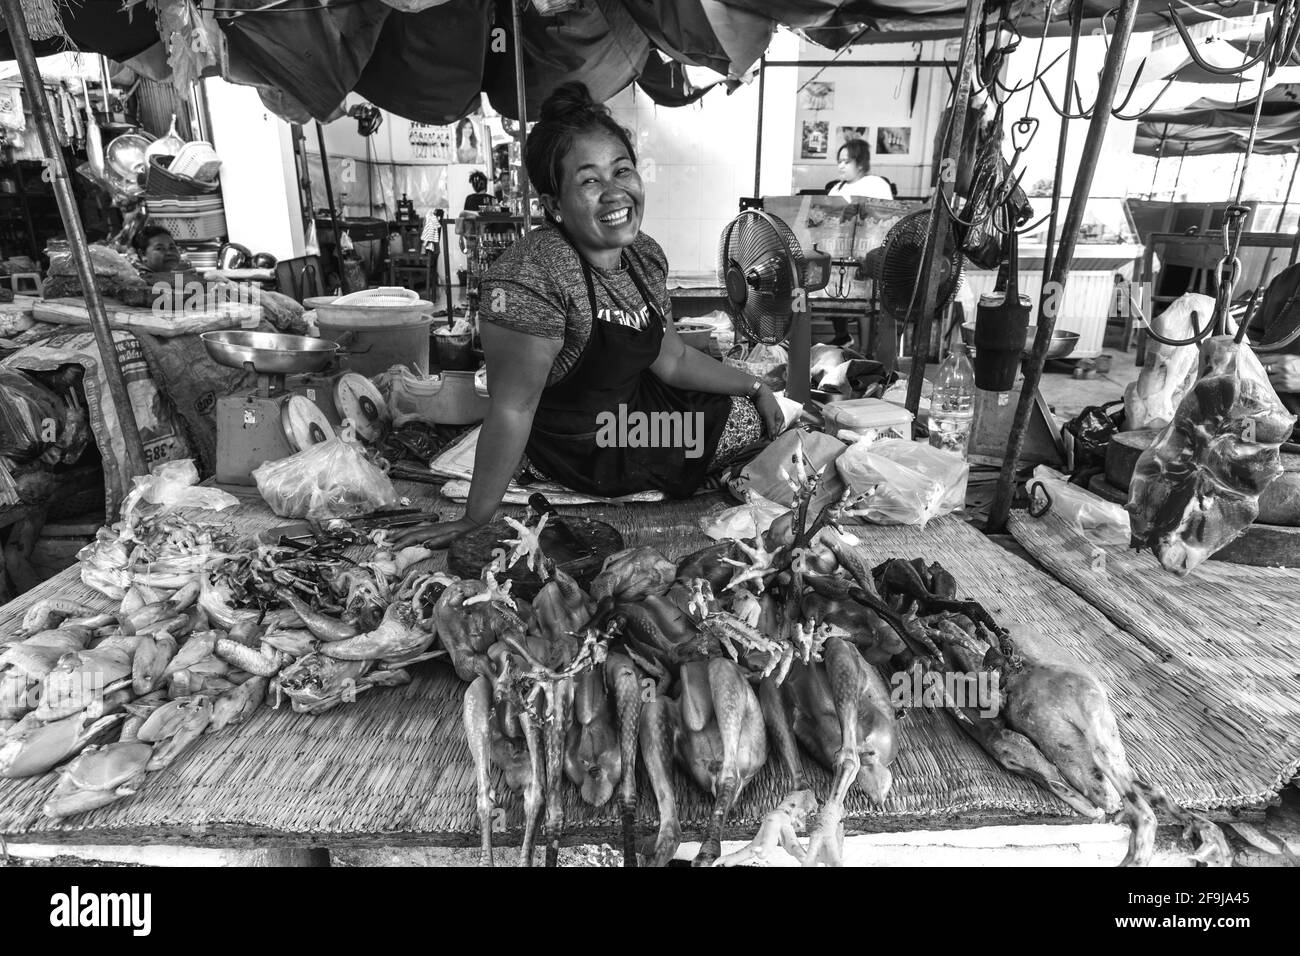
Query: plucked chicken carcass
[
  {"x": 714, "y": 728},
  {"x": 1170, "y": 370},
  {"x": 1053, "y": 722},
  {"x": 1197, "y": 487}
]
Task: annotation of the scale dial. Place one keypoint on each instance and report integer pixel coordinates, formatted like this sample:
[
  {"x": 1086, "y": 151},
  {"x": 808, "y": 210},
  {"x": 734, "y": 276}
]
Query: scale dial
[
  {"x": 356, "y": 398},
  {"x": 304, "y": 423}
]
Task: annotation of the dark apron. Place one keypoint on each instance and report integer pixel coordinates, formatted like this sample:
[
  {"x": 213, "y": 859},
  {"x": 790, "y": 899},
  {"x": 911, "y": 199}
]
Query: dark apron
[{"x": 612, "y": 371}]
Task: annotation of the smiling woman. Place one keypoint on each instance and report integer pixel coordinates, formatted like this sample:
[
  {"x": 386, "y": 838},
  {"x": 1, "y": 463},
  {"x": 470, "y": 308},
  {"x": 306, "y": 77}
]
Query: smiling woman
[{"x": 576, "y": 328}]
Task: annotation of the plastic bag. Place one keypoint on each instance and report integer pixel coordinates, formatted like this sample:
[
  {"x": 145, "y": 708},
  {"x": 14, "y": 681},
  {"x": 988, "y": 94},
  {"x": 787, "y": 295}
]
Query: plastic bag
[
  {"x": 902, "y": 482},
  {"x": 172, "y": 485},
  {"x": 30, "y": 415},
  {"x": 766, "y": 475},
  {"x": 1168, "y": 370},
  {"x": 1196, "y": 488},
  {"x": 743, "y": 522},
  {"x": 1098, "y": 521},
  {"x": 331, "y": 480}
]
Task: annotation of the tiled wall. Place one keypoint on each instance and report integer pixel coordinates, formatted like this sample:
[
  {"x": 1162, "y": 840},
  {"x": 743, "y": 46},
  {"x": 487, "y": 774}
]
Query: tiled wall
[{"x": 696, "y": 162}]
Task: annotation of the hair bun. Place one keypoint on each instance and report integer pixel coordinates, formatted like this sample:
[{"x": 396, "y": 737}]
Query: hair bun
[{"x": 566, "y": 100}]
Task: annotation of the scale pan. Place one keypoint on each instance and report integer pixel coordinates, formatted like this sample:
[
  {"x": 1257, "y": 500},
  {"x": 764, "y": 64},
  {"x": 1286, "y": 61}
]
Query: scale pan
[{"x": 269, "y": 352}]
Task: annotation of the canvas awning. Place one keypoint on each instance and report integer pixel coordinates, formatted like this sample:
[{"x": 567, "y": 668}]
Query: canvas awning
[
  {"x": 1173, "y": 139},
  {"x": 431, "y": 60}
]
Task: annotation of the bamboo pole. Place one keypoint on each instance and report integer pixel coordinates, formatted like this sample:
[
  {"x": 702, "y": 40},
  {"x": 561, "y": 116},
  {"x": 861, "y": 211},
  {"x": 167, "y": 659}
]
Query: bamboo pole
[
  {"x": 521, "y": 95},
  {"x": 1178, "y": 175},
  {"x": 928, "y": 275},
  {"x": 1076, "y": 28},
  {"x": 21, "y": 42},
  {"x": 1001, "y": 506},
  {"x": 758, "y": 125}
]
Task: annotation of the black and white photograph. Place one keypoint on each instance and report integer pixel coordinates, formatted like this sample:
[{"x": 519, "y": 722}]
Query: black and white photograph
[{"x": 649, "y": 435}]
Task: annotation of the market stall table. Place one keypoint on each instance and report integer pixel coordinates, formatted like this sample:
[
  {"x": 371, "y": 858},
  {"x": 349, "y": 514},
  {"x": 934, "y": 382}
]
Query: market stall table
[{"x": 393, "y": 767}]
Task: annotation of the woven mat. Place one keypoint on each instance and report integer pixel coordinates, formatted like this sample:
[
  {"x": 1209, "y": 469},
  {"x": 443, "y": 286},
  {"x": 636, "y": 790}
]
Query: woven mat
[
  {"x": 1232, "y": 626},
  {"x": 394, "y": 768}
]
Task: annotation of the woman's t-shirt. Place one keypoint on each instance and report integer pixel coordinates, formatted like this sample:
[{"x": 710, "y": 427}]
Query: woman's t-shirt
[
  {"x": 868, "y": 187},
  {"x": 536, "y": 287}
]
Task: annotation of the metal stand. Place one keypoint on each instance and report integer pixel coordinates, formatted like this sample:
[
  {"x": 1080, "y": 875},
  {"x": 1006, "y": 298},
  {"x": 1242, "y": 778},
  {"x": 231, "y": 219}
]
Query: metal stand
[
  {"x": 21, "y": 41},
  {"x": 1001, "y": 506},
  {"x": 928, "y": 275},
  {"x": 334, "y": 217}
]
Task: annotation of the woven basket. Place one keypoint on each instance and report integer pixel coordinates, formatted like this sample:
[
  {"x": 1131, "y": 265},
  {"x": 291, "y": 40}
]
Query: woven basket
[
  {"x": 208, "y": 225},
  {"x": 164, "y": 184}
]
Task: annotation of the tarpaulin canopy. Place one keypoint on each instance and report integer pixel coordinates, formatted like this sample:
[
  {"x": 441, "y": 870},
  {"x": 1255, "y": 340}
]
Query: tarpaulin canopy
[
  {"x": 1280, "y": 109},
  {"x": 1171, "y": 139},
  {"x": 429, "y": 60}
]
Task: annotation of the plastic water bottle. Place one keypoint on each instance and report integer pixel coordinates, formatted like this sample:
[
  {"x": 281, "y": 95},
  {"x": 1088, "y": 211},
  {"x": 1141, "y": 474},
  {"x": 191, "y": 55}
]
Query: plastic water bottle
[{"x": 952, "y": 403}]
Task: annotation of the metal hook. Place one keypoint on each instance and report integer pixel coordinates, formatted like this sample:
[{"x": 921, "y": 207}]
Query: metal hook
[
  {"x": 1150, "y": 106},
  {"x": 1270, "y": 36},
  {"x": 1065, "y": 113}
]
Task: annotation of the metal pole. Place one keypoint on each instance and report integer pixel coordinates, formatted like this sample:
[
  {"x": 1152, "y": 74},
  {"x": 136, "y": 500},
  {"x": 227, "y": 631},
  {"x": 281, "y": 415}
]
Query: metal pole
[
  {"x": 21, "y": 41},
  {"x": 1286, "y": 199},
  {"x": 1076, "y": 28},
  {"x": 948, "y": 176},
  {"x": 1001, "y": 506},
  {"x": 1178, "y": 174},
  {"x": 758, "y": 137},
  {"x": 1160, "y": 152},
  {"x": 334, "y": 216},
  {"x": 521, "y": 95}
]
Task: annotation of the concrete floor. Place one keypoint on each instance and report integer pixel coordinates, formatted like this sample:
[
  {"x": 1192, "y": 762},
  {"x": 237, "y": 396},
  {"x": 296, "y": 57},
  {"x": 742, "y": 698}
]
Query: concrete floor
[{"x": 1067, "y": 396}]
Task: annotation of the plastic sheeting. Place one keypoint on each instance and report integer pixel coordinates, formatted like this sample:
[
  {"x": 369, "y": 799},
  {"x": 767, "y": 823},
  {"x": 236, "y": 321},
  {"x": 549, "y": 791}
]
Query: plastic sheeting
[{"x": 1169, "y": 140}]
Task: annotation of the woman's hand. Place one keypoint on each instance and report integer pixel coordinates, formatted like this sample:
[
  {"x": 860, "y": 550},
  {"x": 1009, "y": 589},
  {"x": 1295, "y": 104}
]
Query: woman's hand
[
  {"x": 769, "y": 409},
  {"x": 434, "y": 536},
  {"x": 1283, "y": 371}
]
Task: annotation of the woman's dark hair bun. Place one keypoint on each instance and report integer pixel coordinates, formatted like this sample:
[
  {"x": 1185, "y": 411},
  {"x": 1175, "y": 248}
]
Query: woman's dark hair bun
[
  {"x": 568, "y": 100},
  {"x": 567, "y": 112}
]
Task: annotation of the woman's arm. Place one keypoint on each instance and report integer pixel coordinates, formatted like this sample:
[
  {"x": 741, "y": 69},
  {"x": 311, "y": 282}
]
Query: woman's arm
[
  {"x": 681, "y": 366},
  {"x": 518, "y": 365}
]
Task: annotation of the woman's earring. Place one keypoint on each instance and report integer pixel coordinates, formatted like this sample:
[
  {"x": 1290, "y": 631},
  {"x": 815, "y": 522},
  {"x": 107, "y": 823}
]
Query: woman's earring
[{"x": 559, "y": 219}]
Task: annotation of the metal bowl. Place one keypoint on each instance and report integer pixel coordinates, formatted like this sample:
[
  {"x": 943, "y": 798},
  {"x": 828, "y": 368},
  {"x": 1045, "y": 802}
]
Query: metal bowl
[
  {"x": 269, "y": 352},
  {"x": 125, "y": 156},
  {"x": 1063, "y": 343}
]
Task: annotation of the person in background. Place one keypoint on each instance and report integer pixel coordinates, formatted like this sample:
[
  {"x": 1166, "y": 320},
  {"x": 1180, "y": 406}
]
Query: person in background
[
  {"x": 156, "y": 252},
  {"x": 1275, "y": 329},
  {"x": 480, "y": 197},
  {"x": 856, "y": 181}
]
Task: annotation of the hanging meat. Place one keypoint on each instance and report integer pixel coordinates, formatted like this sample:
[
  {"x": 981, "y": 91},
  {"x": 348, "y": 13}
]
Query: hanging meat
[
  {"x": 1197, "y": 488},
  {"x": 1169, "y": 370}
]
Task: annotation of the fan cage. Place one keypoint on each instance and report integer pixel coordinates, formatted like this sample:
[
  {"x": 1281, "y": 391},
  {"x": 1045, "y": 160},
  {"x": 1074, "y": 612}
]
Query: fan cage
[{"x": 756, "y": 241}]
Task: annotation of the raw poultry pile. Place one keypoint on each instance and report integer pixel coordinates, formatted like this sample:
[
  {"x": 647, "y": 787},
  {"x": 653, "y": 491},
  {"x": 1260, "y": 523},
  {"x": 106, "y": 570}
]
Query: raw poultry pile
[{"x": 782, "y": 645}]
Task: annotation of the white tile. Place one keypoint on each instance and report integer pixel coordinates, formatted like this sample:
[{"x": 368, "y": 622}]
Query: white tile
[{"x": 684, "y": 191}]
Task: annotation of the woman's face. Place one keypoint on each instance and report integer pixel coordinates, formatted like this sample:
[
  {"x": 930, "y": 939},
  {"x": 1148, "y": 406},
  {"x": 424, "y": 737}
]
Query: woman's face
[
  {"x": 601, "y": 196},
  {"x": 161, "y": 254},
  {"x": 850, "y": 171}
]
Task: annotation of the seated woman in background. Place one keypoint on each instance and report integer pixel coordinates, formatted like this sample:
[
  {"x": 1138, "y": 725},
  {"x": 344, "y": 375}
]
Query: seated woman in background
[
  {"x": 157, "y": 254},
  {"x": 856, "y": 181}
]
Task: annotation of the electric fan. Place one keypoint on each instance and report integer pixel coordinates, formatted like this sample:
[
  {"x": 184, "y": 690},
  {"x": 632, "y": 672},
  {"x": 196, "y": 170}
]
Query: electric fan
[
  {"x": 899, "y": 266},
  {"x": 767, "y": 276}
]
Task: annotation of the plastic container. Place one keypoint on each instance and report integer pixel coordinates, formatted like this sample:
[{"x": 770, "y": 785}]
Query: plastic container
[
  {"x": 872, "y": 419},
  {"x": 450, "y": 398},
  {"x": 952, "y": 404},
  {"x": 453, "y": 352},
  {"x": 377, "y": 329}
]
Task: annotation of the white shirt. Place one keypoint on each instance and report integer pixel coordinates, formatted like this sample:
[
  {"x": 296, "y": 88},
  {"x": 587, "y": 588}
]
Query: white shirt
[{"x": 868, "y": 187}]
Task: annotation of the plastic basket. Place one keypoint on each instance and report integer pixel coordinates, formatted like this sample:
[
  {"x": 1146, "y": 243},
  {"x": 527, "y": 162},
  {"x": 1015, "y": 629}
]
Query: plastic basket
[
  {"x": 162, "y": 183},
  {"x": 208, "y": 225}
]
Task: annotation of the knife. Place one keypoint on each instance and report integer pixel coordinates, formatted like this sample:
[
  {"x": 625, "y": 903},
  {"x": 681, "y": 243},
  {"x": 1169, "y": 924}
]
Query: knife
[{"x": 391, "y": 518}]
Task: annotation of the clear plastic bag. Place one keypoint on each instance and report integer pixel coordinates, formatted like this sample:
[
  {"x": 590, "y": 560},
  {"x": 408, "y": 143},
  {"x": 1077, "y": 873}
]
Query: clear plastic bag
[
  {"x": 743, "y": 522},
  {"x": 901, "y": 482},
  {"x": 334, "y": 479},
  {"x": 1098, "y": 521},
  {"x": 1196, "y": 488},
  {"x": 171, "y": 485}
]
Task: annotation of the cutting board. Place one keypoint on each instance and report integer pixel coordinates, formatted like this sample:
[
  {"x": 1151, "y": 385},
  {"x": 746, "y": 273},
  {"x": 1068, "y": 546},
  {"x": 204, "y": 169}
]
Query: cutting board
[{"x": 165, "y": 323}]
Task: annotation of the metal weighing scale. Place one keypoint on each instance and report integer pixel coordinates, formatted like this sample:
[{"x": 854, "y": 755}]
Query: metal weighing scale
[{"x": 269, "y": 421}]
